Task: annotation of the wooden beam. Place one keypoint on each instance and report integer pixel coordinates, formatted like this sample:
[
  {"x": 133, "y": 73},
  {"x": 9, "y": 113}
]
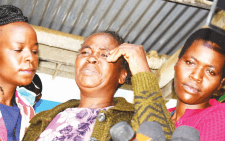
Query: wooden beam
[{"x": 206, "y": 4}]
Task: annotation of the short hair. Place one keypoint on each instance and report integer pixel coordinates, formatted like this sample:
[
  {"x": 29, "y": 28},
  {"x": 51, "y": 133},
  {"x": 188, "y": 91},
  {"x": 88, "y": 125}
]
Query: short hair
[
  {"x": 204, "y": 34},
  {"x": 10, "y": 14}
]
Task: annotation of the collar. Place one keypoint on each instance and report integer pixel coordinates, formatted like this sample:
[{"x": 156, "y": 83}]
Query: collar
[{"x": 120, "y": 104}]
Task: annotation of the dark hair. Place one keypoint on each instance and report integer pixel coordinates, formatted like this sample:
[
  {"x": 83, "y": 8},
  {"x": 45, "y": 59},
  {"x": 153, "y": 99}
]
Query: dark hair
[
  {"x": 206, "y": 34},
  {"x": 10, "y": 14}
]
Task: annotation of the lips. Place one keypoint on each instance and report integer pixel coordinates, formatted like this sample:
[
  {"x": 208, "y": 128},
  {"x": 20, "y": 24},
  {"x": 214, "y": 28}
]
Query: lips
[
  {"x": 90, "y": 71},
  {"x": 191, "y": 88},
  {"x": 27, "y": 71}
]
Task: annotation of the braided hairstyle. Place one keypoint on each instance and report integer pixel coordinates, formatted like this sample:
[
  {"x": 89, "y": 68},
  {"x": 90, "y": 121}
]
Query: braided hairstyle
[{"x": 10, "y": 14}]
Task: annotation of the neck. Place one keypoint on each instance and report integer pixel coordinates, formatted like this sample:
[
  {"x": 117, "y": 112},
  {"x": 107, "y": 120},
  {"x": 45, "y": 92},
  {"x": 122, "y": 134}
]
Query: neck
[
  {"x": 6, "y": 94},
  {"x": 95, "y": 102},
  {"x": 182, "y": 107}
]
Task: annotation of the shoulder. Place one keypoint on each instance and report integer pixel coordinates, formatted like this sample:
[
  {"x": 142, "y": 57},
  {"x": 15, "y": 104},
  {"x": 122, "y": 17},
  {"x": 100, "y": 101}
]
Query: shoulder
[
  {"x": 122, "y": 105},
  {"x": 216, "y": 112},
  {"x": 51, "y": 113}
]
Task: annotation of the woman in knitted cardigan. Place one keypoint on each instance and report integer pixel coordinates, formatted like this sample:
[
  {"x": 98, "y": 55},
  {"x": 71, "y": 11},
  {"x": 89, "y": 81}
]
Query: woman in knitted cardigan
[
  {"x": 100, "y": 69},
  {"x": 18, "y": 61}
]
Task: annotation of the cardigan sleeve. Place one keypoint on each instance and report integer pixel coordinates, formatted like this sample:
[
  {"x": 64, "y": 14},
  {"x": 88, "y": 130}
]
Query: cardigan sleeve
[{"x": 149, "y": 104}]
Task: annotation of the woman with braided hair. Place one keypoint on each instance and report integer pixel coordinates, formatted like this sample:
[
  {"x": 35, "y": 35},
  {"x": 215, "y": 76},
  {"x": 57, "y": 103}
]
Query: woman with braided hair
[{"x": 18, "y": 61}]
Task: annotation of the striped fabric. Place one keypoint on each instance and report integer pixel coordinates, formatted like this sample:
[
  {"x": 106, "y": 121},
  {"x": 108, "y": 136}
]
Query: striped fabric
[{"x": 149, "y": 103}]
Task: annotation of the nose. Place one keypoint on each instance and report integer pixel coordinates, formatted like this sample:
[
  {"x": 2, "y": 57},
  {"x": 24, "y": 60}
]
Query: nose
[
  {"x": 29, "y": 56},
  {"x": 92, "y": 59},
  {"x": 197, "y": 74}
]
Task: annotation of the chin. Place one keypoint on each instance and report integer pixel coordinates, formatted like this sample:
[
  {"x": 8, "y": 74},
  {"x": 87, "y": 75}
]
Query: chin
[
  {"x": 25, "y": 82},
  {"x": 88, "y": 85},
  {"x": 88, "y": 82}
]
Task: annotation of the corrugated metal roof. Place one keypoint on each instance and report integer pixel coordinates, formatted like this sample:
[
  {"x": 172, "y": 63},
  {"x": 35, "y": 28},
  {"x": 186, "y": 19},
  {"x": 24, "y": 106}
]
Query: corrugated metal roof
[{"x": 156, "y": 24}]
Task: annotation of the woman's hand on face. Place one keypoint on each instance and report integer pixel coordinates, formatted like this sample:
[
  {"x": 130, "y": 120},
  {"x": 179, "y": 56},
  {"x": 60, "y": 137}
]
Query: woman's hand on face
[{"x": 135, "y": 56}]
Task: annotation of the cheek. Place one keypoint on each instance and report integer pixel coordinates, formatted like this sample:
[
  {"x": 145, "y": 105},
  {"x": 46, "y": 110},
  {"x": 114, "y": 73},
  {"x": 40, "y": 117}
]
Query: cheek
[
  {"x": 211, "y": 85},
  {"x": 79, "y": 63},
  {"x": 15, "y": 61},
  {"x": 36, "y": 61}
]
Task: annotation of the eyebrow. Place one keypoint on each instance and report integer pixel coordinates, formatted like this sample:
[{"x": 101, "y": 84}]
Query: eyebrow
[
  {"x": 23, "y": 43},
  {"x": 211, "y": 66},
  {"x": 84, "y": 47},
  {"x": 101, "y": 48},
  {"x": 217, "y": 49}
]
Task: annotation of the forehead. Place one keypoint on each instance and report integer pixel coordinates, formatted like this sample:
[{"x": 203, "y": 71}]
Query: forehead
[
  {"x": 16, "y": 28},
  {"x": 206, "y": 52},
  {"x": 204, "y": 47},
  {"x": 101, "y": 40},
  {"x": 17, "y": 32}
]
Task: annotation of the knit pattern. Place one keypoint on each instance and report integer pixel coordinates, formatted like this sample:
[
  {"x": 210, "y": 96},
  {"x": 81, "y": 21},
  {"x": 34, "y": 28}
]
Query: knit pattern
[
  {"x": 149, "y": 103},
  {"x": 10, "y": 14}
]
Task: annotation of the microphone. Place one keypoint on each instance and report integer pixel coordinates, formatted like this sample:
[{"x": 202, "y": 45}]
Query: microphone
[
  {"x": 150, "y": 131},
  {"x": 122, "y": 131},
  {"x": 185, "y": 133}
]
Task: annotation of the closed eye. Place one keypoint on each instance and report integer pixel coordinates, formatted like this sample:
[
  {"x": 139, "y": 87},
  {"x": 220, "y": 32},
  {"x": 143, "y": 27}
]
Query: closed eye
[
  {"x": 84, "y": 52},
  {"x": 17, "y": 50},
  {"x": 104, "y": 55},
  {"x": 35, "y": 52}
]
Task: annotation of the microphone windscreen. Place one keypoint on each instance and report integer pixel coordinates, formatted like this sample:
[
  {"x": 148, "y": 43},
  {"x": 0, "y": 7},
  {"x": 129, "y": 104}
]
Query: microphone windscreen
[
  {"x": 185, "y": 133},
  {"x": 152, "y": 130},
  {"x": 122, "y": 131}
]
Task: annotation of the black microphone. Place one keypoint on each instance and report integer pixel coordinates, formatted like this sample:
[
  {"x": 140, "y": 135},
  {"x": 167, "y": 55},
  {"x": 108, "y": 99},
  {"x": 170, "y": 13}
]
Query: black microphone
[
  {"x": 122, "y": 131},
  {"x": 185, "y": 133},
  {"x": 150, "y": 131},
  {"x": 147, "y": 131}
]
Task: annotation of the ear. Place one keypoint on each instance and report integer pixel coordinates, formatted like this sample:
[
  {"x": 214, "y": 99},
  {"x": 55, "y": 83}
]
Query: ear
[
  {"x": 175, "y": 65},
  {"x": 123, "y": 75},
  {"x": 221, "y": 84}
]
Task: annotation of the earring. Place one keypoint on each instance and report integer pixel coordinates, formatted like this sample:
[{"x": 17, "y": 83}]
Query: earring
[{"x": 1, "y": 90}]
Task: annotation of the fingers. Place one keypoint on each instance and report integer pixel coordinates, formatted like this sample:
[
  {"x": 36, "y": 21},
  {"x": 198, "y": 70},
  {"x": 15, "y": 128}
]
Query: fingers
[{"x": 133, "y": 54}]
